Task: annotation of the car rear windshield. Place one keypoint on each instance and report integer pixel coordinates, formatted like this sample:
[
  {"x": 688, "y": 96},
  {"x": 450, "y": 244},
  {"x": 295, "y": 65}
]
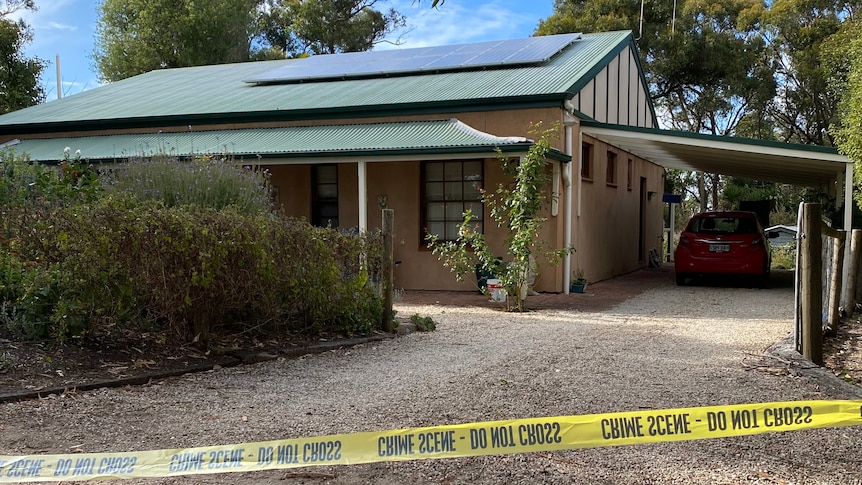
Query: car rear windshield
[{"x": 723, "y": 225}]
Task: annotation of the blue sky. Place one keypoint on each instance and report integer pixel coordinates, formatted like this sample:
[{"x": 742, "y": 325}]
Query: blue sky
[{"x": 67, "y": 28}]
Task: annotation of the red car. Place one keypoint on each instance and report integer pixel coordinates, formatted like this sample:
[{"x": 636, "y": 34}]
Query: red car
[{"x": 724, "y": 243}]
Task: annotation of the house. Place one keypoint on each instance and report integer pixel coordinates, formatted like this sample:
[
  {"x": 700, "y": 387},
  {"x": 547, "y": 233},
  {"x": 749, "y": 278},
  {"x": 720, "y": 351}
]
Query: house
[
  {"x": 421, "y": 131},
  {"x": 786, "y": 235}
]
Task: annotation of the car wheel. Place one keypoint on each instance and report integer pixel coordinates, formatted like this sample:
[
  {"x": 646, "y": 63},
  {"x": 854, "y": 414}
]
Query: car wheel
[
  {"x": 680, "y": 279},
  {"x": 763, "y": 281}
]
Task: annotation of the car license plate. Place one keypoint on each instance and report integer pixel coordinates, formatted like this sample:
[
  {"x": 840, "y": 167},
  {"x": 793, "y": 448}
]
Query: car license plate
[{"x": 719, "y": 248}]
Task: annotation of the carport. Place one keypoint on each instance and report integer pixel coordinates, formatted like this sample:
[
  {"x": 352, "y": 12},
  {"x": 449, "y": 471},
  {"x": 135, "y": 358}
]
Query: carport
[{"x": 806, "y": 165}]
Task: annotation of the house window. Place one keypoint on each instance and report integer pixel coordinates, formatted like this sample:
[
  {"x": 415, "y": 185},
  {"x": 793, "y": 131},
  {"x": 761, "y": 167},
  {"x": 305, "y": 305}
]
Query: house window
[
  {"x": 449, "y": 189},
  {"x": 587, "y": 161},
  {"x": 324, "y": 202},
  {"x": 611, "y": 173},
  {"x": 629, "y": 174}
]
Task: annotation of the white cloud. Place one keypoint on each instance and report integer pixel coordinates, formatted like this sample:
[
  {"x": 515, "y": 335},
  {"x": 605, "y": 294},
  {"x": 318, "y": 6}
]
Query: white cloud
[
  {"x": 65, "y": 28},
  {"x": 458, "y": 22},
  {"x": 52, "y": 25}
]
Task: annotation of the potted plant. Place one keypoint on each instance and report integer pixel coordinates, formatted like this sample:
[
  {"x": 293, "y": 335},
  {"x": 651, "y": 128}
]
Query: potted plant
[{"x": 579, "y": 282}]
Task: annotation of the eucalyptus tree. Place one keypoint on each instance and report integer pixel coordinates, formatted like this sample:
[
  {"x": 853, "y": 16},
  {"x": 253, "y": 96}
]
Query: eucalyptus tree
[
  {"x": 797, "y": 32},
  {"x": 302, "y": 27},
  {"x": 136, "y": 36},
  {"x": 848, "y": 130},
  {"x": 703, "y": 60},
  {"x": 19, "y": 74}
]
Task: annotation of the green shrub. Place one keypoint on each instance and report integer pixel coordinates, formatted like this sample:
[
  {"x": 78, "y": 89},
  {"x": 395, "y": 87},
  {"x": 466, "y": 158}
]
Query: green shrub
[
  {"x": 327, "y": 280},
  {"x": 423, "y": 324},
  {"x": 33, "y": 269},
  {"x": 784, "y": 257},
  {"x": 193, "y": 270},
  {"x": 23, "y": 183},
  {"x": 97, "y": 263},
  {"x": 7, "y": 361},
  {"x": 211, "y": 182}
]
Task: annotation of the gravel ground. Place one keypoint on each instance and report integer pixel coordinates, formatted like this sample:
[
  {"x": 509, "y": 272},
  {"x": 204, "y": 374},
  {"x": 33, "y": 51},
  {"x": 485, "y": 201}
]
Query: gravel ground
[{"x": 669, "y": 347}]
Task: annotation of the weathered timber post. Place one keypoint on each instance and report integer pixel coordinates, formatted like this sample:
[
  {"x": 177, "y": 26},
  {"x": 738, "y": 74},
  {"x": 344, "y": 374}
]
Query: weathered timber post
[
  {"x": 835, "y": 280},
  {"x": 811, "y": 269},
  {"x": 388, "y": 265},
  {"x": 852, "y": 269}
]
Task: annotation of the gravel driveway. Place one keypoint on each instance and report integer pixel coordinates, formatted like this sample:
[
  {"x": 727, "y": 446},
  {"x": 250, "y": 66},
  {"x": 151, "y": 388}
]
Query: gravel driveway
[{"x": 669, "y": 347}]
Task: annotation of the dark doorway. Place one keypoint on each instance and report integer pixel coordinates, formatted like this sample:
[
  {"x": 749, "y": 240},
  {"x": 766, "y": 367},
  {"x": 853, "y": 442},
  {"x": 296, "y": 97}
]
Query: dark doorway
[{"x": 324, "y": 203}]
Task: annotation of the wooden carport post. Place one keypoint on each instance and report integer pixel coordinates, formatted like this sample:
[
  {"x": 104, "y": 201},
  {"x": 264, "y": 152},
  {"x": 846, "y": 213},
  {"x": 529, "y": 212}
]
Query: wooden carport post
[
  {"x": 835, "y": 280},
  {"x": 387, "y": 270},
  {"x": 852, "y": 269},
  {"x": 812, "y": 287}
]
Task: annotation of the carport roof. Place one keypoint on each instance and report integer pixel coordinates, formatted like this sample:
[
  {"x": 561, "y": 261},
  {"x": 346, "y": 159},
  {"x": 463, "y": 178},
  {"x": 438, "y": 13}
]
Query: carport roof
[{"x": 807, "y": 165}]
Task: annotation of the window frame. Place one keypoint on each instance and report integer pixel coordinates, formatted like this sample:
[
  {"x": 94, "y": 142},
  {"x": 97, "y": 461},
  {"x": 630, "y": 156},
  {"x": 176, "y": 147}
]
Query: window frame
[
  {"x": 611, "y": 169},
  {"x": 446, "y": 220},
  {"x": 587, "y": 152}
]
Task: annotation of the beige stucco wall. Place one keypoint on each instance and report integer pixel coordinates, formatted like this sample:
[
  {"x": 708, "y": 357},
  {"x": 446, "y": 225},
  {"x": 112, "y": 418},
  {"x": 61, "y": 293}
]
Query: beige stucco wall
[
  {"x": 607, "y": 230},
  {"x": 605, "y": 234},
  {"x": 294, "y": 198}
]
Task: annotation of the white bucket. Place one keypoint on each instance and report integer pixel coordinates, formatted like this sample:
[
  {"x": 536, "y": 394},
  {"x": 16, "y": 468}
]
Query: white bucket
[{"x": 495, "y": 289}]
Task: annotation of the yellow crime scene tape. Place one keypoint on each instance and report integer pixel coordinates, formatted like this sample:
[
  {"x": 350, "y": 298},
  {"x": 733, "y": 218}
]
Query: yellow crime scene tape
[{"x": 447, "y": 441}]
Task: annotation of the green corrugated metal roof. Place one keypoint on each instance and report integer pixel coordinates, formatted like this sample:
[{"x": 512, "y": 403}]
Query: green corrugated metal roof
[
  {"x": 218, "y": 92},
  {"x": 373, "y": 139}
]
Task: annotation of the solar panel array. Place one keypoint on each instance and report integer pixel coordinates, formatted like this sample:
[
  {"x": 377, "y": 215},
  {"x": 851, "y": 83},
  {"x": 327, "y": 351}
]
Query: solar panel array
[{"x": 532, "y": 50}]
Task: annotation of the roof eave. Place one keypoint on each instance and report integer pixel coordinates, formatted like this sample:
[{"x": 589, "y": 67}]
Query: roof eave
[{"x": 239, "y": 118}]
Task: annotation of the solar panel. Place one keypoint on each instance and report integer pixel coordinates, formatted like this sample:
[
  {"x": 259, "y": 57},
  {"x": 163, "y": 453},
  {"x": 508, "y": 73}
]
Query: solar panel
[{"x": 500, "y": 53}]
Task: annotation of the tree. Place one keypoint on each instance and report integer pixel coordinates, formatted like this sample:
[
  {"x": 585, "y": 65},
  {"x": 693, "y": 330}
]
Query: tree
[
  {"x": 136, "y": 36},
  {"x": 19, "y": 75},
  {"x": 296, "y": 27},
  {"x": 703, "y": 61},
  {"x": 8, "y": 7},
  {"x": 849, "y": 132},
  {"x": 797, "y": 32}
]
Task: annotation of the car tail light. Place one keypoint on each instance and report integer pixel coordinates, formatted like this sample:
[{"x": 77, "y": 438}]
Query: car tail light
[{"x": 683, "y": 239}]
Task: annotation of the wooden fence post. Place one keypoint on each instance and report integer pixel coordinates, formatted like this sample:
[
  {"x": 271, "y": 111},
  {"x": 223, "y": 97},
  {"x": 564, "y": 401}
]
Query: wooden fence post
[
  {"x": 852, "y": 269},
  {"x": 811, "y": 270},
  {"x": 388, "y": 266},
  {"x": 835, "y": 280}
]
